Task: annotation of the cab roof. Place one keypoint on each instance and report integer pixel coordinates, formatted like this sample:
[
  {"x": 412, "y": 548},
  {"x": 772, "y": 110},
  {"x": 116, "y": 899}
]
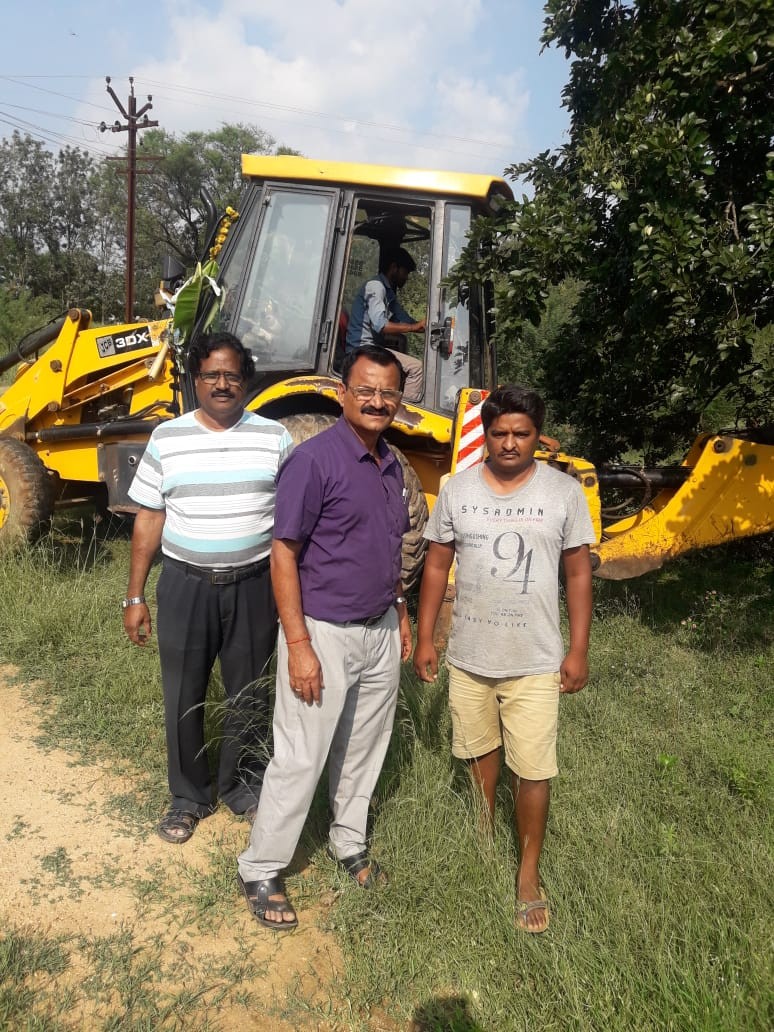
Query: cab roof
[{"x": 415, "y": 180}]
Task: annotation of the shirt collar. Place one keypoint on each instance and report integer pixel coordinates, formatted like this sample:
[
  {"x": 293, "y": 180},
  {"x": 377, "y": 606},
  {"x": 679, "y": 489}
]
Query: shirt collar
[
  {"x": 356, "y": 446},
  {"x": 386, "y": 283}
]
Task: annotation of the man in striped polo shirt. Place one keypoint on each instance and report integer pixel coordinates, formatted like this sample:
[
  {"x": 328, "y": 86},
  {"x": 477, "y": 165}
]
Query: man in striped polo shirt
[{"x": 205, "y": 486}]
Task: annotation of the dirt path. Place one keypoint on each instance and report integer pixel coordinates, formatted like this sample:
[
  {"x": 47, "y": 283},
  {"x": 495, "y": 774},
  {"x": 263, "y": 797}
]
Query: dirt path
[{"x": 137, "y": 944}]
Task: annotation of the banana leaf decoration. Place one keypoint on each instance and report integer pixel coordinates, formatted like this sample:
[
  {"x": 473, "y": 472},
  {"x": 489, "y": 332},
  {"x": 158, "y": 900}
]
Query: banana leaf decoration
[{"x": 188, "y": 301}]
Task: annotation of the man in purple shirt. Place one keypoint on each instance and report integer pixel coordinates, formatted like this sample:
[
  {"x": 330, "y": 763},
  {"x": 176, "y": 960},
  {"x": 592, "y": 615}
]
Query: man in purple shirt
[{"x": 335, "y": 564}]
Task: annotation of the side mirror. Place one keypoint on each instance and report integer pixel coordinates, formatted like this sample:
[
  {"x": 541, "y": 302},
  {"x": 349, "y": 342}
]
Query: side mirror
[{"x": 172, "y": 273}]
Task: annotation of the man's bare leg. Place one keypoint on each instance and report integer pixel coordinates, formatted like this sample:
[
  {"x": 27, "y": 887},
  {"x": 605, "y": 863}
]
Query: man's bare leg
[
  {"x": 485, "y": 771},
  {"x": 531, "y": 809}
]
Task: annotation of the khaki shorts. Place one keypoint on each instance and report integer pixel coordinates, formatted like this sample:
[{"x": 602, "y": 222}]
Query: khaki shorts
[{"x": 520, "y": 713}]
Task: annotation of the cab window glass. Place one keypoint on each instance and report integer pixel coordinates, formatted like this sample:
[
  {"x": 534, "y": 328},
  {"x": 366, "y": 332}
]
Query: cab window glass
[
  {"x": 277, "y": 314},
  {"x": 461, "y": 366}
]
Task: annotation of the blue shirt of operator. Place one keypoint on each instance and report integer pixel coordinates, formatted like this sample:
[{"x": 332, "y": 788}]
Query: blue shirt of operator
[{"x": 375, "y": 304}]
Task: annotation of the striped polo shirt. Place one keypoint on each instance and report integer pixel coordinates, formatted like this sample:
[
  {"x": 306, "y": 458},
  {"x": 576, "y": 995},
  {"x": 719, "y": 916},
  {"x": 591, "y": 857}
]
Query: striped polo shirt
[{"x": 216, "y": 486}]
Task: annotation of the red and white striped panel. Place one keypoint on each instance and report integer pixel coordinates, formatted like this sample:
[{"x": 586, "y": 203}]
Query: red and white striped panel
[{"x": 470, "y": 450}]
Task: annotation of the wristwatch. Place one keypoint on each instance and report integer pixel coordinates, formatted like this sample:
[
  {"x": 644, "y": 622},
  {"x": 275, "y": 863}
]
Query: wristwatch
[
  {"x": 138, "y": 600},
  {"x": 400, "y": 600}
]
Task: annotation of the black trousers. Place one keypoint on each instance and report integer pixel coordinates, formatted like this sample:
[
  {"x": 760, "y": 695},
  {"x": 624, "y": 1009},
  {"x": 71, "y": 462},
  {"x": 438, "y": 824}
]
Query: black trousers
[{"x": 198, "y": 622}]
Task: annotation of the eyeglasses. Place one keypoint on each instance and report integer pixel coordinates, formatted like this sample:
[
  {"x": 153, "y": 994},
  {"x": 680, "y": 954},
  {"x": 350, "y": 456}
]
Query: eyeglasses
[
  {"x": 232, "y": 379},
  {"x": 389, "y": 397}
]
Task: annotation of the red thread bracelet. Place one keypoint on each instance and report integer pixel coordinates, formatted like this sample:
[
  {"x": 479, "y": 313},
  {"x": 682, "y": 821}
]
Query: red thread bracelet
[{"x": 298, "y": 641}]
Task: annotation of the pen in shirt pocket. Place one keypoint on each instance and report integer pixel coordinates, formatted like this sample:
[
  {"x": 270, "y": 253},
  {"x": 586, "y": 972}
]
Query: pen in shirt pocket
[{"x": 405, "y": 494}]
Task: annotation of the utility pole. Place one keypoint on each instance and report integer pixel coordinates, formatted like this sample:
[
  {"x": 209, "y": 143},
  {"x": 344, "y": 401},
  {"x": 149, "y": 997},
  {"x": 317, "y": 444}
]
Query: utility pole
[{"x": 133, "y": 124}]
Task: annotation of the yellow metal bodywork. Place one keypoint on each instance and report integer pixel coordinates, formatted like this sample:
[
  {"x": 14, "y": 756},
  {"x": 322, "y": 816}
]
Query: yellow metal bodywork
[
  {"x": 338, "y": 173},
  {"x": 410, "y": 420},
  {"x": 71, "y": 374},
  {"x": 729, "y": 494}
]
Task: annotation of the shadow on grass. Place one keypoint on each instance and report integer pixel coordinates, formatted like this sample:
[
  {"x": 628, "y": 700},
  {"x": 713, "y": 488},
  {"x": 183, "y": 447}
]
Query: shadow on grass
[
  {"x": 81, "y": 540},
  {"x": 444, "y": 1014},
  {"x": 716, "y": 599}
]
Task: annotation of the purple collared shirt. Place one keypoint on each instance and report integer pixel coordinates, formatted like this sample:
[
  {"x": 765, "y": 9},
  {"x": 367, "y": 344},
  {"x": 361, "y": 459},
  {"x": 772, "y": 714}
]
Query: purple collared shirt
[{"x": 350, "y": 514}]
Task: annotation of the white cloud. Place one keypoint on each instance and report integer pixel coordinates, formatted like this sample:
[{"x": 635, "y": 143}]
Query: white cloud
[{"x": 363, "y": 80}]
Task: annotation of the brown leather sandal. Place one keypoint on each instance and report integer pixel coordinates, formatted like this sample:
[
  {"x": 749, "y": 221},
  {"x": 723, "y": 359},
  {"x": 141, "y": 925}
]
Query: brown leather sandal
[
  {"x": 177, "y": 826},
  {"x": 525, "y": 907}
]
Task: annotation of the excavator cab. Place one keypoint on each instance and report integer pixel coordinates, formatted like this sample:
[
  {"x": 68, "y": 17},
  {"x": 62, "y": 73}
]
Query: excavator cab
[{"x": 310, "y": 234}]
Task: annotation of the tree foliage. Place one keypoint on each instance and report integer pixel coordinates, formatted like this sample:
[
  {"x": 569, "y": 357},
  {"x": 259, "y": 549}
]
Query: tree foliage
[
  {"x": 63, "y": 219},
  {"x": 662, "y": 204},
  {"x": 172, "y": 216},
  {"x": 49, "y": 217}
]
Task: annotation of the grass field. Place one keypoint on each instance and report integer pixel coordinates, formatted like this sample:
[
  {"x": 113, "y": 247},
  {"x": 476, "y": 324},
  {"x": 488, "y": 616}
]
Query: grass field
[{"x": 658, "y": 857}]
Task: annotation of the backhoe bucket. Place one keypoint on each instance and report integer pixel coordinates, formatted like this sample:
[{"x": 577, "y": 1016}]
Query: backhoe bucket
[{"x": 729, "y": 494}]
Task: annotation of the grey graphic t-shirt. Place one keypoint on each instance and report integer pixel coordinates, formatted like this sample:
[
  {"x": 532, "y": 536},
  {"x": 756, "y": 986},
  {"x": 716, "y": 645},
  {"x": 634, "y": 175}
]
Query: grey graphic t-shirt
[{"x": 508, "y": 547}]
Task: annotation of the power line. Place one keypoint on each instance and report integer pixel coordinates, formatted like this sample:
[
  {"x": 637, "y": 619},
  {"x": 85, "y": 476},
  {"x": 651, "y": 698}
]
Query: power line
[
  {"x": 43, "y": 135},
  {"x": 322, "y": 114},
  {"x": 415, "y": 135},
  {"x": 52, "y": 114},
  {"x": 414, "y": 142},
  {"x": 54, "y": 93}
]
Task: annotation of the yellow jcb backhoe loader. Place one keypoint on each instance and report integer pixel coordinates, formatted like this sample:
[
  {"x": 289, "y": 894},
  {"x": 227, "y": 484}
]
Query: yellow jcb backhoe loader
[{"x": 283, "y": 275}]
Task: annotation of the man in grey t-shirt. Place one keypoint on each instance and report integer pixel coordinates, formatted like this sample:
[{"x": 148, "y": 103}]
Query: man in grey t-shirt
[{"x": 511, "y": 523}]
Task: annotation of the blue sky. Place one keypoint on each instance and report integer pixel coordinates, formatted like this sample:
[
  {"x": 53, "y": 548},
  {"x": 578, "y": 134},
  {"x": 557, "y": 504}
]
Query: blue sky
[{"x": 457, "y": 84}]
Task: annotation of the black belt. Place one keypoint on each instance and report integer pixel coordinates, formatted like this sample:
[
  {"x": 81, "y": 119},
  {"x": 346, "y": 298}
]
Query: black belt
[
  {"x": 221, "y": 574},
  {"x": 367, "y": 621}
]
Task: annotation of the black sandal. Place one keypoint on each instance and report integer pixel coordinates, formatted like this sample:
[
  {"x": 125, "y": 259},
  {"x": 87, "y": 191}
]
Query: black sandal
[
  {"x": 257, "y": 895},
  {"x": 353, "y": 865},
  {"x": 177, "y": 826}
]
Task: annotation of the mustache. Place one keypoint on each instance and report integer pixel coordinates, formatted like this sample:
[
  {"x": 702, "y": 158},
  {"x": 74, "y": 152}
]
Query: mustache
[
  {"x": 223, "y": 394},
  {"x": 371, "y": 410}
]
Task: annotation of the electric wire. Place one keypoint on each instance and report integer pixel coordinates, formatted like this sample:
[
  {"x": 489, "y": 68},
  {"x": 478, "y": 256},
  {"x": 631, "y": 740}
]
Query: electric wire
[
  {"x": 51, "y": 136},
  {"x": 169, "y": 90}
]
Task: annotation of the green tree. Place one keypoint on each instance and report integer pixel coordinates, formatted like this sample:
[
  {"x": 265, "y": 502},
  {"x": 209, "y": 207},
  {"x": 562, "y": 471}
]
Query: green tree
[
  {"x": 108, "y": 243},
  {"x": 63, "y": 217},
  {"x": 20, "y": 313},
  {"x": 26, "y": 182},
  {"x": 662, "y": 204},
  {"x": 172, "y": 217},
  {"x": 48, "y": 223},
  {"x": 69, "y": 229}
]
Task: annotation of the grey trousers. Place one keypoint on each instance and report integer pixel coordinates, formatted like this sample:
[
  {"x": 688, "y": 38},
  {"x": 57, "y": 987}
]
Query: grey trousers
[
  {"x": 351, "y": 724},
  {"x": 414, "y": 370}
]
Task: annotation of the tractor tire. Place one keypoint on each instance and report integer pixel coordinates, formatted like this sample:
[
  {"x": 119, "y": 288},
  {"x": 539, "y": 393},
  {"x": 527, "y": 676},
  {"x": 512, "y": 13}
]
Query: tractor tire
[
  {"x": 306, "y": 424},
  {"x": 26, "y": 495},
  {"x": 414, "y": 543}
]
